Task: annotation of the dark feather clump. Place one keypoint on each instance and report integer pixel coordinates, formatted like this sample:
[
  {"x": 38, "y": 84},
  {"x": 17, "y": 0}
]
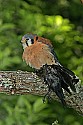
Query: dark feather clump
[{"x": 58, "y": 78}]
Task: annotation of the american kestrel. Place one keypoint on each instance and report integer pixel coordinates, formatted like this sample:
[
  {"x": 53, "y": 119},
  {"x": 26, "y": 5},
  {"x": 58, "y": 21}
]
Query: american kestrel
[{"x": 39, "y": 54}]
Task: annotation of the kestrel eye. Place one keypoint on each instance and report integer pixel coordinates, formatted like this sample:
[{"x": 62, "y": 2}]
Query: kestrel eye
[{"x": 27, "y": 39}]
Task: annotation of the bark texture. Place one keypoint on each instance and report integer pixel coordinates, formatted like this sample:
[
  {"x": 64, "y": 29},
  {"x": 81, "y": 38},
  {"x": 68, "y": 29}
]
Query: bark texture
[{"x": 23, "y": 82}]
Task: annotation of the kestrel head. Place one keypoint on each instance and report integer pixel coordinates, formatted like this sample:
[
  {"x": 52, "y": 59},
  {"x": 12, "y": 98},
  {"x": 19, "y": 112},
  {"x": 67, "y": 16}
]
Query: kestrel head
[{"x": 28, "y": 40}]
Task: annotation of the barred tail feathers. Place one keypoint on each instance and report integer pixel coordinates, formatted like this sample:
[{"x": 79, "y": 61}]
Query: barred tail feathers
[{"x": 69, "y": 77}]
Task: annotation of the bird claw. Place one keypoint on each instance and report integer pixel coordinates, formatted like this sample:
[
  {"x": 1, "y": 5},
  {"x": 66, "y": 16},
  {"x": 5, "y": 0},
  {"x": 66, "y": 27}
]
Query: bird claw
[{"x": 47, "y": 95}]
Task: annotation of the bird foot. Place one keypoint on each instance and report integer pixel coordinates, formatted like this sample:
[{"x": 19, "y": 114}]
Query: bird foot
[{"x": 47, "y": 95}]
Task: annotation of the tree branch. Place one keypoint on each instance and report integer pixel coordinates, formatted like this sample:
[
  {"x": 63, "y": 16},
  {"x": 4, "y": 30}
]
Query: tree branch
[{"x": 23, "y": 82}]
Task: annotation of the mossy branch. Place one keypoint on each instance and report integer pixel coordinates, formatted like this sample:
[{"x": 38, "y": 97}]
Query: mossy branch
[{"x": 23, "y": 82}]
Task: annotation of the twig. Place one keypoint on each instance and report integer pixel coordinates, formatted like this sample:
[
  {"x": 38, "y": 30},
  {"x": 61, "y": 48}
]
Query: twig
[{"x": 23, "y": 82}]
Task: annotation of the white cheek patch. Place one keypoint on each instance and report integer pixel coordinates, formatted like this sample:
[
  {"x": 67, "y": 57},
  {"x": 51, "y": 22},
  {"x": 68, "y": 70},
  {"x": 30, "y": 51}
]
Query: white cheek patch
[
  {"x": 24, "y": 45},
  {"x": 29, "y": 42}
]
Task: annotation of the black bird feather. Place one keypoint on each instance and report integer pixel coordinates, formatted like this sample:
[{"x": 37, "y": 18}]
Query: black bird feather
[{"x": 58, "y": 77}]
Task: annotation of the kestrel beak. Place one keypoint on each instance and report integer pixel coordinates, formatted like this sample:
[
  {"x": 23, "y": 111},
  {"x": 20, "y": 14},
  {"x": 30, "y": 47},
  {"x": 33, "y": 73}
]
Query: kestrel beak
[{"x": 23, "y": 40}]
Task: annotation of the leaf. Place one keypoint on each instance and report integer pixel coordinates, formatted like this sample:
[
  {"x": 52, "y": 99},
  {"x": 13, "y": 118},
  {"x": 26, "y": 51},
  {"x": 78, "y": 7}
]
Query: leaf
[{"x": 39, "y": 105}]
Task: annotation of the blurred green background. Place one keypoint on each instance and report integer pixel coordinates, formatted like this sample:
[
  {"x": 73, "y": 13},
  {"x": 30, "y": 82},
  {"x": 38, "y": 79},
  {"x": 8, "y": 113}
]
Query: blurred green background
[{"x": 62, "y": 22}]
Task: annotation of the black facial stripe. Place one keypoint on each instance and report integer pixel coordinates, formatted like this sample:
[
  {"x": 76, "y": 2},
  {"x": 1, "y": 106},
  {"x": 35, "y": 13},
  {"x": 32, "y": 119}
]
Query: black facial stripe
[
  {"x": 27, "y": 43},
  {"x": 36, "y": 37},
  {"x": 32, "y": 41}
]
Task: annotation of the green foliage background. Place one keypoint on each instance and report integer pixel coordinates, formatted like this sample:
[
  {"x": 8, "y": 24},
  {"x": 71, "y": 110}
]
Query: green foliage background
[{"x": 62, "y": 22}]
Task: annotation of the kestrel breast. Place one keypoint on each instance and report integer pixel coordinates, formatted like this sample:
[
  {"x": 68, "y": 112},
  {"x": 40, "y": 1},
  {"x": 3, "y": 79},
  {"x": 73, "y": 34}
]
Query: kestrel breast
[{"x": 38, "y": 55}]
